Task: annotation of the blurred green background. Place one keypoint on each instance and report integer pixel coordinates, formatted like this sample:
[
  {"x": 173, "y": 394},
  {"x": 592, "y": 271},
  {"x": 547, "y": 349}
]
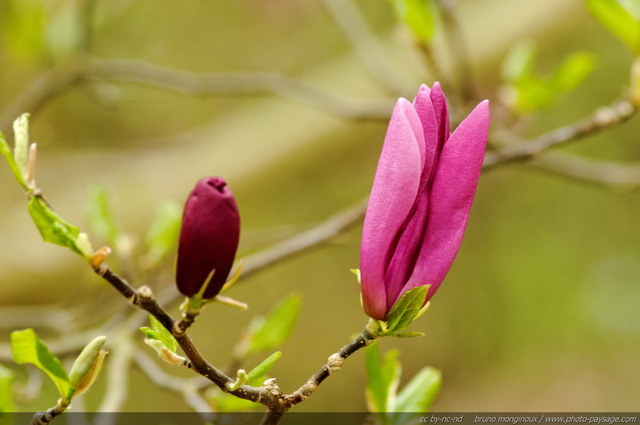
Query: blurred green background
[{"x": 540, "y": 310}]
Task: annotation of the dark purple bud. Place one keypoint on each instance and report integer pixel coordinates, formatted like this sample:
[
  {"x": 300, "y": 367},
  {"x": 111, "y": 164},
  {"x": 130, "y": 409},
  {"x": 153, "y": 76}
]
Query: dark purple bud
[{"x": 208, "y": 238}]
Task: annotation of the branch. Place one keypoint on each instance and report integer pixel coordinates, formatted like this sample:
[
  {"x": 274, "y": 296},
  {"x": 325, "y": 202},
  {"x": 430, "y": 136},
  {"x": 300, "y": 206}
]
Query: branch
[
  {"x": 333, "y": 365},
  {"x": 367, "y": 46},
  {"x": 326, "y": 230},
  {"x": 143, "y": 298},
  {"x": 54, "y": 318},
  {"x": 270, "y": 394},
  {"x": 44, "y": 418},
  {"x": 605, "y": 173},
  {"x": 41, "y": 90},
  {"x": 188, "y": 388},
  {"x": 217, "y": 83},
  {"x": 601, "y": 119}
]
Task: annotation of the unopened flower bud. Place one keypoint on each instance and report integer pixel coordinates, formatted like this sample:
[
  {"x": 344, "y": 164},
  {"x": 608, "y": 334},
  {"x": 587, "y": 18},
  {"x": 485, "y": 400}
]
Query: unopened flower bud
[
  {"x": 208, "y": 238},
  {"x": 420, "y": 200}
]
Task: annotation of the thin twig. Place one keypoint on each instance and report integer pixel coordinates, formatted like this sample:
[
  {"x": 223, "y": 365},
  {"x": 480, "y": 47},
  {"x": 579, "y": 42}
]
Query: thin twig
[
  {"x": 269, "y": 394},
  {"x": 44, "y": 418},
  {"x": 54, "y": 318},
  {"x": 603, "y": 118},
  {"x": 607, "y": 173},
  {"x": 41, "y": 90},
  {"x": 218, "y": 83},
  {"x": 188, "y": 388},
  {"x": 297, "y": 244},
  {"x": 368, "y": 47},
  {"x": 333, "y": 365},
  {"x": 143, "y": 298}
]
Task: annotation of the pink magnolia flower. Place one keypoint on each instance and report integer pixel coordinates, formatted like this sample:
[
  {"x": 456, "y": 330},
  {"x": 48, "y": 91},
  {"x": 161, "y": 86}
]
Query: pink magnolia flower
[
  {"x": 420, "y": 200},
  {"x": 208, "y": 238}
]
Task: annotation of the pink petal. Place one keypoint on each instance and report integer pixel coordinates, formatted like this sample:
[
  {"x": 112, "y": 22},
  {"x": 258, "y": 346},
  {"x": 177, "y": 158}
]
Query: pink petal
[
  {"x": 442, "y": 114},
  {"x": 430, "y": 125},
  {"x": 406, "y": 252},
  {"x": 392, "y": 197},
  {"x": 454, "y": 187}
]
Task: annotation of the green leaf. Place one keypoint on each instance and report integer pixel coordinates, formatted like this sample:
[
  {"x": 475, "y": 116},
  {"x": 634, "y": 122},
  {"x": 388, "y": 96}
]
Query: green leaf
[
  {"x": 519, "y": 62},
  {"x": 420, "y": 392},
  {"x": 6, "y": 391},
  {"x": 263, "y": 368},
  {"x": 383, "y": 376},
  {"x": 274, "y": 329},
  {"x": 527, "y": 91},
  {"x": 100, "y": 217},
  {"x": 160, "y": 333},
  {"x": 162, "y": 236},
  {"x": 406, "y": 308},
  {"x": 62, "y": 34},
  {"x": 573, "y": 71},
  {"x": 53, "y": 228},
  {"x": 8, "y": 155},
  {"x": 27, "y": 347},
  {"x": 23, "y": 23},
  {"x": 418, "y": 16},
  {"x": 618, "y": 17}
]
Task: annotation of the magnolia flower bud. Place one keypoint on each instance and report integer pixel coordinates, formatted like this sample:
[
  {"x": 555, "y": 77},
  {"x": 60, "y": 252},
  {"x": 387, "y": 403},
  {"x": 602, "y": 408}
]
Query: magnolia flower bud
[
  {"x": 420, "y": 200},
  {"x": 208, "y": 238}
]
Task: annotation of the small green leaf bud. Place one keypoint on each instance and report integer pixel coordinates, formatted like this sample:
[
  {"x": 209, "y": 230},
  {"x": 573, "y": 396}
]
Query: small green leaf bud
[
  {"x": 20, "y": 152},
  {"x": 87, "y": 366}
]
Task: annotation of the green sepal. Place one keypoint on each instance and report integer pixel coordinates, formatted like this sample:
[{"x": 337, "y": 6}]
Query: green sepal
[
  {"x": 406, "y": 309},
  {"x": 160, "y": 333},
  {"x": 264, "y": 367},
  {"x": 27, "y": 347},
  {"x": 358, "y": 274}
]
